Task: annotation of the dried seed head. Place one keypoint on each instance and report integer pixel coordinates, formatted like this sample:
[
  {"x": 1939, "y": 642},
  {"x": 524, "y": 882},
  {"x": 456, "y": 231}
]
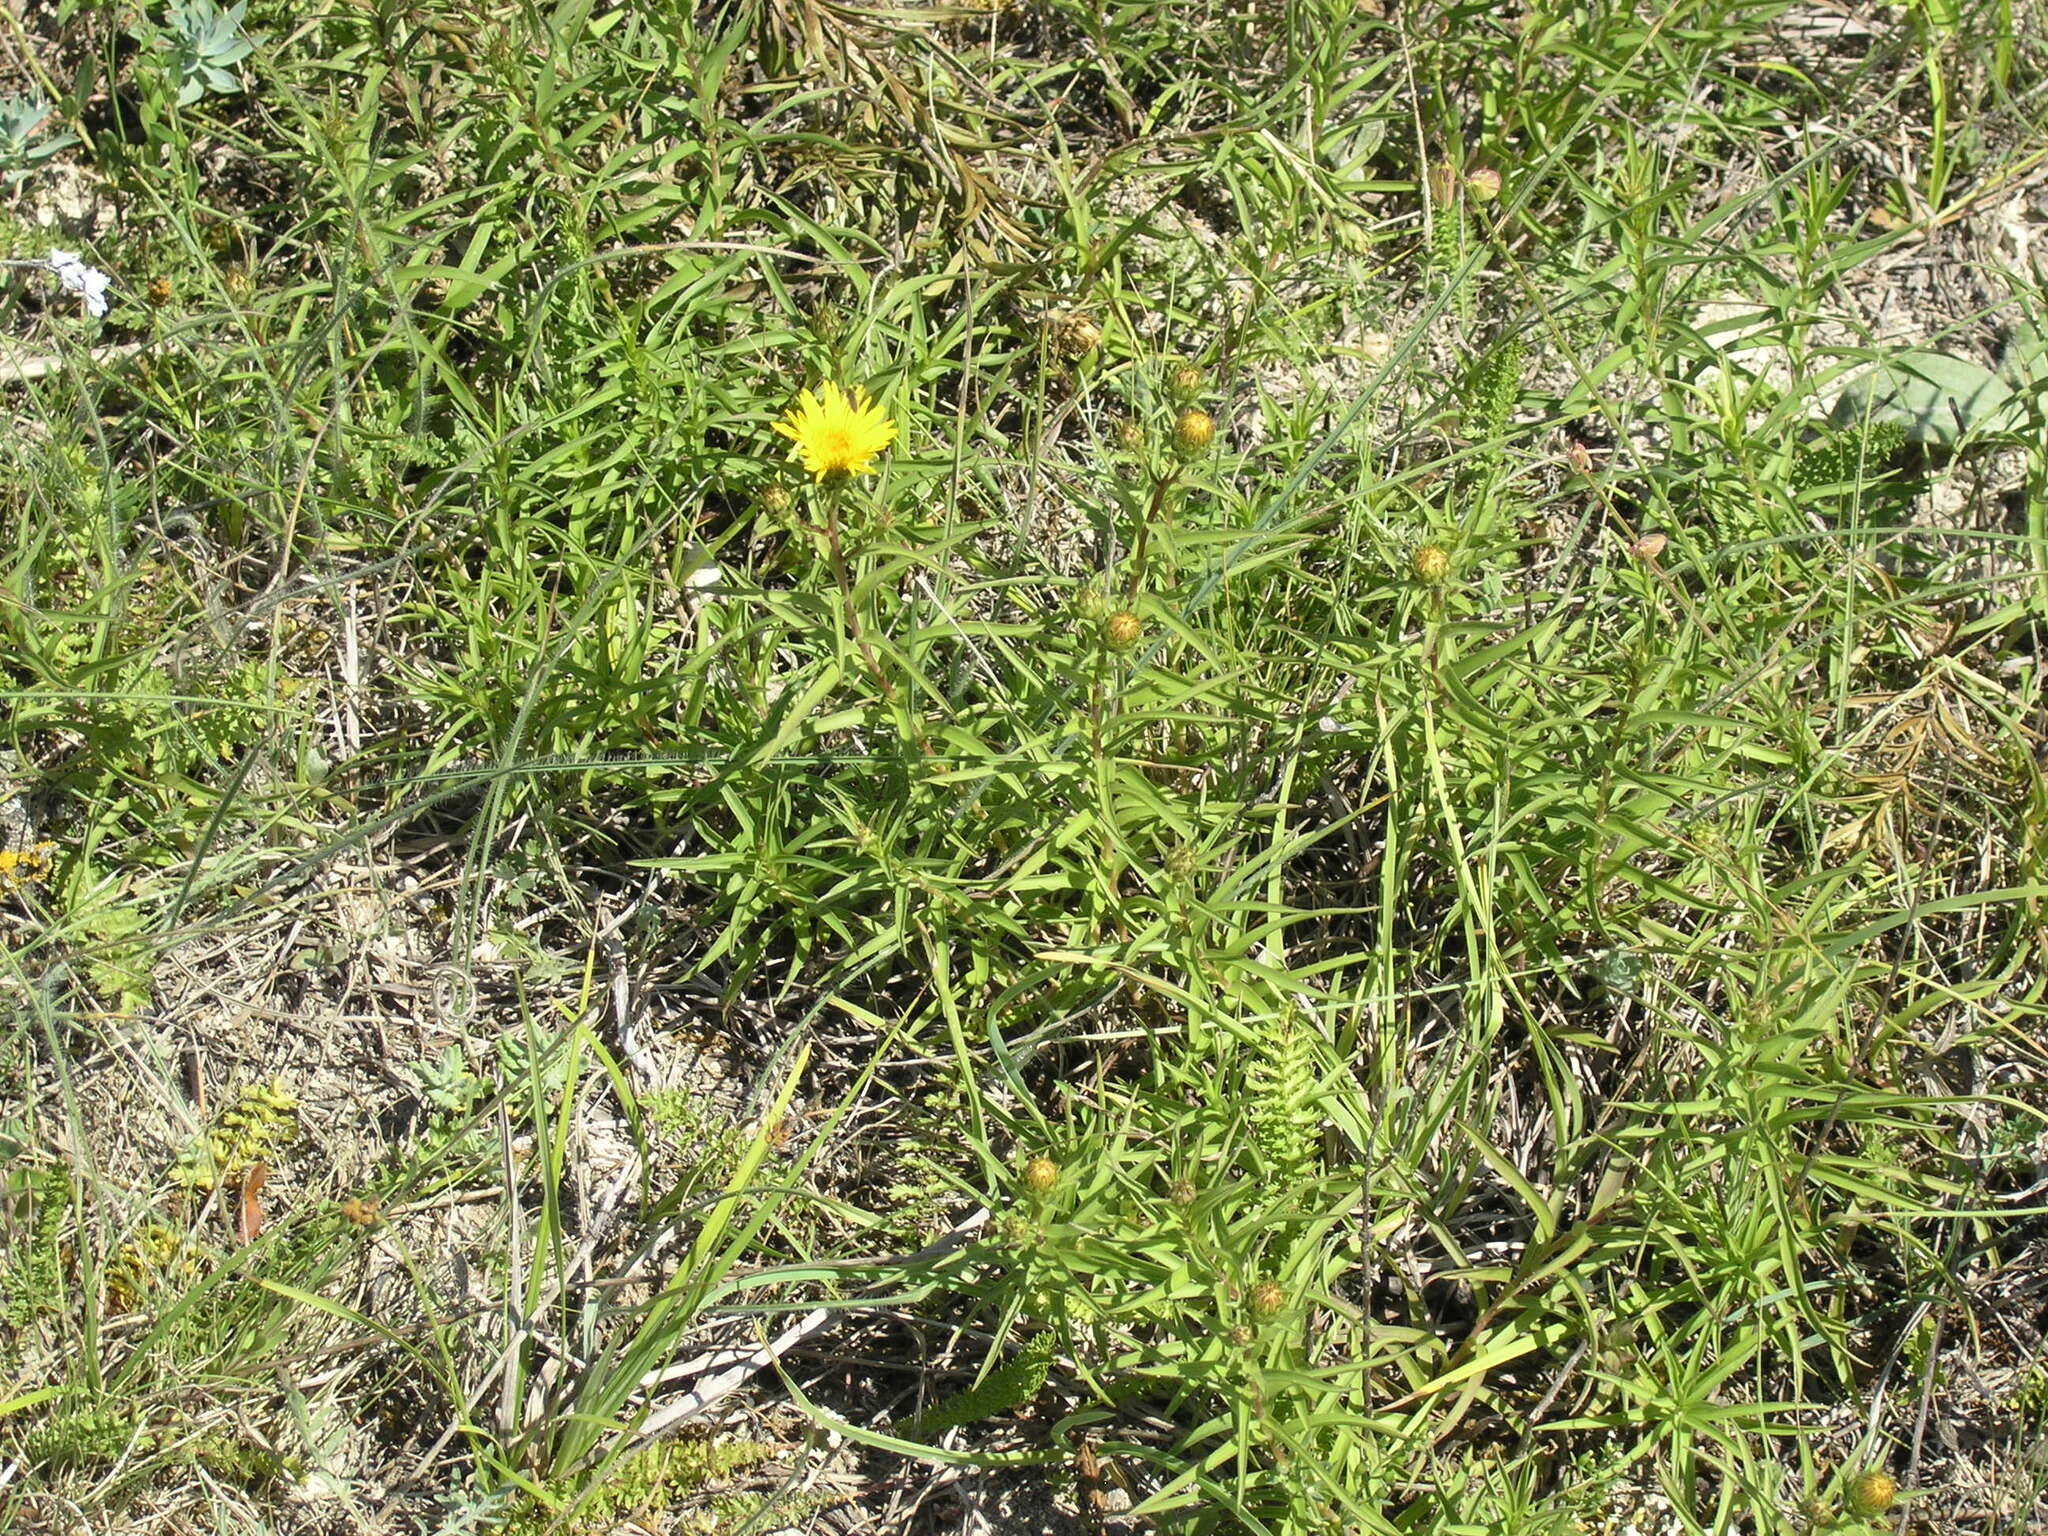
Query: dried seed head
[
  {"x": 1074, "y": 335},
  {"x": 1130, "y": 434},
  {"x": 159, "y": 292},
  {"x": 1483, "y": 184},
  {"x": 1432, "y": 563},
  {"x": 775, "y": 500},
  {"x": 1241, "y": 1336},
  {"x": 1872, "y": 1493},
  {"x": 1268, "y": 1298},
  {"x": 1121, "y": 630},
  {"x": 1040, "y": 1175},
  {"x": 1194, "y": 431}
]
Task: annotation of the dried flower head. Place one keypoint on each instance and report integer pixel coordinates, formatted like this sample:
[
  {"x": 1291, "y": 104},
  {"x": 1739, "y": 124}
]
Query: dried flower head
[
  {"x": 837, "y": 432},
  {"x": 1075, "y": 334}
]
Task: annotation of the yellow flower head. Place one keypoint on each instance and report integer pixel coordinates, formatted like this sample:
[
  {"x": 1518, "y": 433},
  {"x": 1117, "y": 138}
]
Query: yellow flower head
[{"x": 837, "y": 430}]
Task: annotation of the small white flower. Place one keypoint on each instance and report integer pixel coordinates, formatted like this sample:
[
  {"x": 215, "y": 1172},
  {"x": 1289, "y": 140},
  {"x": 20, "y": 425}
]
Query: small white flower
[
  {"x": 704, "y": 574},
  {"x": 90, "y": 283}
]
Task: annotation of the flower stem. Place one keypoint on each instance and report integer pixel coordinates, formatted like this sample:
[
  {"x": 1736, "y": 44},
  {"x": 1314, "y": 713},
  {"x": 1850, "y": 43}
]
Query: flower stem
[
  {"x": 835, "y": 550},
  {"x": 1141, "y": 544}
]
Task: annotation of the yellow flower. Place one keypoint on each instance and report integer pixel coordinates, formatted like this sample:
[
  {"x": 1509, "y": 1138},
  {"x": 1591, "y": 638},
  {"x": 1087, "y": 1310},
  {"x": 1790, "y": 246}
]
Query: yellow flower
[{"x": 837, "y": 430}]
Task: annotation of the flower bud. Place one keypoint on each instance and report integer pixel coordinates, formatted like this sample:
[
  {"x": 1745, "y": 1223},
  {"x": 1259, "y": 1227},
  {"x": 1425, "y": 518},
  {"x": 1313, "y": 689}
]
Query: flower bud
[
  {"x": 1872, "y": 1493},
  {"x": 1182, "y": 1194},
  {"x": 363, "y": 1211},
  {"x": 159, "y": 292},
  {"x": 1194, "y": 431},
  {"x": 1268, "y": 1298},
  {"x": 1442, "y": 179},
  {"x": 1483, "y": 184},
  {"x": 828, "y": 323},
  {"x": 1040, "y": 1175},
  {"x": 1185, "y": 381},
  {"x": 1432, "y": 563},
  {"x": 1648, "y": 547},
  {"x": 1121, "y": 630},
  {"x": 1018, "y": 1232},
  {"x": 1130, "y": 434}
]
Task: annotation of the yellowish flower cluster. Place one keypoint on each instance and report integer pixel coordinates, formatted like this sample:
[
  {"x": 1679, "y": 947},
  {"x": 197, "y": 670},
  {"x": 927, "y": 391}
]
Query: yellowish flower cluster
[
  {"x": 262, "y": 1118},
  {"x": 24, "y": 866}
]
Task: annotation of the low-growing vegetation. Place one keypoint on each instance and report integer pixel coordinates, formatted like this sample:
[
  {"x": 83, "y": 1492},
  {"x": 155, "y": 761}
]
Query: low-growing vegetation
[{"x": 1024, "y": 767}]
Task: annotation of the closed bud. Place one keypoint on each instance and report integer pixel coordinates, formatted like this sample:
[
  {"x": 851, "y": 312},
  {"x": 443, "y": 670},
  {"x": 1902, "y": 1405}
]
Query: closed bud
[
  {"x": 1483, "y": 185},
  {"x": 1185, "y": 381},
  {"x": 1872, "y": 1493},
  {"x": 1130, "y": 435},
  {"x": 1182, "y": 1194},
  {"x": 775, "y": 500},
  {"x": 1268, "y": 1298},
  {"x": 1121, "y": 630},
  {"x": 1432, "y": 563},
  {"x": 1443, "y": 183},
  {"x": 363, "y": 1211},
  {"x": 1017, "y": 1232},
  {"x": 159, "y": 292},
  {"x": 1194, "y": 431},
  {"x": 1648, "y": 547},
  {"x": 1040, "y": 1175}
]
